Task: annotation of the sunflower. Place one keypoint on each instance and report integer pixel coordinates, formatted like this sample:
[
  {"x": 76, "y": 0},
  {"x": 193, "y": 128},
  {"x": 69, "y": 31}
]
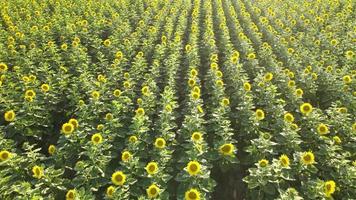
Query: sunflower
[
  {"x": 160, "y": 143},
  {"x": 214, "y": 66},
  {"x": 288, "y": 117},
  {"x": 192, "y": 194},
  {"x": 37, "y": 172},
  {"x": 234, "y": 59},
  {"x": 347, "y": 79},
  {"x": 251, "y": 56},
  {"x": 196, "y": 137},
  {"x": 119, "y": 55},
  {"x": 117, "y": 93},
  {"x": 263, "y": 163},
  {"x": 298, "y": 92},
  {"x": 306, "y": 108},
  {"x": 337, "y": 140},
  {"x": 51, "y": 149},
  {"x": 349, "y": 54},
  {"x": 95, "y": 95},
  {"x": 195, "y": 95},
  {"x": 308, "y": 158},
  {"x": 109, "y": 116},
  {"x": 227, "y": 149},
  {"x": 247, "y": 86},
  {"x": 193, "y": 72},
  {"x": 152, "y": 168},
  {"x": 152, "y": 191},
  {"x": 219, "y": 83},
  {"x": 45, "y": 87},
  {"x": 9, "y": 116},
  {"x": 126, "y": 156},
  {"x": 268, "y": 77},
  {"x": 30, "y": 94},
  {"x": 168, "y": 108},
  {"x": 193, "y": 168},
  {"x": 191, "y": 82},
  {"x": 284, "y": 160},
  {"x": 3, "y": 67},
  {"x": 71, "y": 195},
  {"x": 96, "y": 138},
  {"x": 127, "y": 84},
  {"x": 74, "y": 122},
  {"x": 132, "y": 139},
  {"x": 323, "y": 129},
  {"x": 334, "y": 42},
  {"x": 110, "y": 190},
  {"x": 140, "y": 112},
  {"x": 260, "y": 115},
  {"x": 188, "y": 48},
  {"x": 219, "y": 74},
  {"x": 329, "y": 188},
  {"x": 225, "y": 102},
  {"x": 354, "y": 126},
  {"x": 118, "y": 178},
  {"x": 67, "y": 128},
  {"x": 145, "y": 90},
  {"x": 139, "y": 101},
  {"x": 291, "y": 83},
  {"x": 100, "y": 127},
  {"x": 107, "y": 42},
  {"x": 4, "y": 155}
]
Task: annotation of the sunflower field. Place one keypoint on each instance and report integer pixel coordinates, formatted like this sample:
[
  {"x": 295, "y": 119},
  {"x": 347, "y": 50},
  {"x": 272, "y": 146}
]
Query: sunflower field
[{"x": 177, "y": 99}]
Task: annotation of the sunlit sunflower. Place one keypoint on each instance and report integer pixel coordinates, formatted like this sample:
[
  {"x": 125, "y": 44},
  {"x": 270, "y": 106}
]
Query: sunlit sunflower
[
  {"x": 4, "y": 155},
  {"x": 160, "y": 143},
  {"x": 152, "y": 191},
  {"x": 152, "y": 168},
  {"x": 67, "y": 128},
  {"x": 118, "y": 178},
  {"x": 329, "y": 188},
  {"x": 126, "y": 156},
  {"x": 306, "y": 108},
  {"x": 96, "y": 138},
  {"x": 193, "y": 168},
  {"x": 308, "y": 158},
  {"x": 192, "y": 194},
  {"x": 284, "y": 160},
  {"x": 263, "y": 163},
  {"x": 37, "y": 172},
  {"x": 9, "y": 116},
  {"x": 227, "y": 149}
]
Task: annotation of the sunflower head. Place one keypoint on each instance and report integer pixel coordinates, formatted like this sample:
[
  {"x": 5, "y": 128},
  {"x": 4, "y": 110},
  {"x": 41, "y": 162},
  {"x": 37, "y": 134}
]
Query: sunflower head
[
  {"x": 152, "y": 168},
  {"x": 225, "y": 101},
  {"x": 323, "y": 129},
  {"x": 51, "y": 149},
  {"x": 152, "y": 191},
  {"x": 329, "y": 188},
  {"x": 118, "y": 178},
  {"x": 306, "y": 108},
  {"x": 37, "y": 172},
  {"x": 247, "y": 86},
  {"x": 284, "y": 160},
  {"x": 288, "y": 117},
  {"x": 67, "y": 128},
  {"x": 9, "y": 116},
  {"x": 71, "y": 195},
  {"x": 160, "y": 143},
  {"x": 192, "y": 194},
  {"x": 268, "y": 77},
  {"x": 193, "y": 168},
  {"x": 227, "y": 149},
  {"x": 197, "y": 136},
  {"x": 263, "y": 163},
  {"x": 140, "y": 112},
  {"x": 74, "y": 122},
  {"x": 45, "y": 87},
  {"x": 96, "y": 138},
  {"x": 126, "y": 156},
  {"x": 260, "y": 114},
  {"x": 4, "y": 155},
  {"x": 110, "y": 191},
  {"x": 308, "y": 158}
]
